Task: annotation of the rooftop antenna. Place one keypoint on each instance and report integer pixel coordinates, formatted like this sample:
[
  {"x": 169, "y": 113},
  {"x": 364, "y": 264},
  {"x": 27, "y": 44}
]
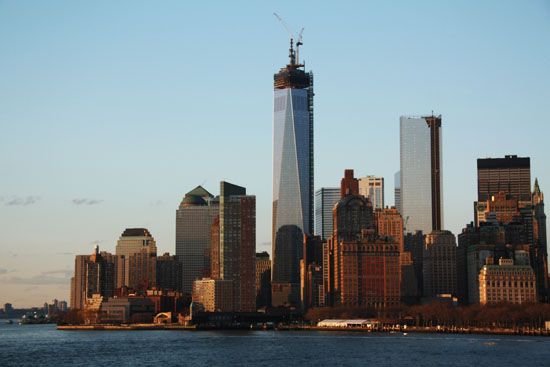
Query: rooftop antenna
[{"x": 287, "y": 28}]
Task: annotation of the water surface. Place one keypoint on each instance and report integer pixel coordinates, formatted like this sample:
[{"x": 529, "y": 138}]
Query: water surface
[{"x": 43, "y": 345}]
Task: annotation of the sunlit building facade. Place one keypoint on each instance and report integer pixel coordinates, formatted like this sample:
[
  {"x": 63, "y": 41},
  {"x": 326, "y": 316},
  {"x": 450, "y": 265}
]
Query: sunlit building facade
[
  {"x": 372, "y": 187},
  {"x": 421, "y": 175}
]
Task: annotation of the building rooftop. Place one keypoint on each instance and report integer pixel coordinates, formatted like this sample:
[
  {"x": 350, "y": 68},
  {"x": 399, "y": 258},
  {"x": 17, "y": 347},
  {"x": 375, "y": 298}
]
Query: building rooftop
[
  {"x": 136, "y": 232},
  {"x": 200, "y": 191}
]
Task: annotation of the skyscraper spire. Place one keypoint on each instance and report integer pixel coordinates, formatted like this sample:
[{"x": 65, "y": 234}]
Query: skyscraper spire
[{"x": 536, "y": 191}]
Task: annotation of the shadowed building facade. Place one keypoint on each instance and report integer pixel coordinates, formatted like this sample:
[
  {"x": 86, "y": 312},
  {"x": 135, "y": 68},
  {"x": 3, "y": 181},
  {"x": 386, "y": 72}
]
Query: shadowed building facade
[
  {"x": 440, "y": 276},
  {"x": 169, "y": 273},
  {"x": 263, "y": 280},
  {"x": 292, "y": 177}
]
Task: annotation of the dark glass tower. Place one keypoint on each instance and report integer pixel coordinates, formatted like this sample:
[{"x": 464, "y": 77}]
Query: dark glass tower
[
  {"x": 292, "y": 175},
  {"x": 511, "y": 174}
]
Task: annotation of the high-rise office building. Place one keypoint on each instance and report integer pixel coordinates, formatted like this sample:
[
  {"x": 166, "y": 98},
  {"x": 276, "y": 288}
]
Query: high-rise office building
[
  {"x": 439, "y": 264},
  {"x": 194, "y": 219},
  {"x": 292, "y": 175},
  {"x": 373, "y": 188},
  {"x": 169, "y": 273},
  {"x": 138, "y": 248},
  {"x": 325, "y": 199},
  {"x": 421, "y": 174},
  {"x": 541, "y": 243},
  {"x": 511, "y": 175},
  {"x": 93, "y": 274},
  {"x": 237, "y": 244}
]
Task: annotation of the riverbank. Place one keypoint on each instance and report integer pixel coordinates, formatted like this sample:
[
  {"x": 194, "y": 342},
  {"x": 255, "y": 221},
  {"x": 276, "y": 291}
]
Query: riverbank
[
  {"x": 425, "y": 330},
  {"x": 394, "y": 330},
  {"x": 130, "y": 327}
]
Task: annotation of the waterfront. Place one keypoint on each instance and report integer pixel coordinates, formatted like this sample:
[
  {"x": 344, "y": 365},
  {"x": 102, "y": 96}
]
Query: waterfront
[{"x": 43, "y": 344}]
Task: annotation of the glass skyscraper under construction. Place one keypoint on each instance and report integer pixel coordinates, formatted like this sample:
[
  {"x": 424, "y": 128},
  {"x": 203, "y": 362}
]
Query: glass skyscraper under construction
[{"x": 292, "y": 175}]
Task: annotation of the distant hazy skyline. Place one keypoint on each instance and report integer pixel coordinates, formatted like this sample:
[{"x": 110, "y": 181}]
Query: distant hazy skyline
[{"x": 111, "y": 111}]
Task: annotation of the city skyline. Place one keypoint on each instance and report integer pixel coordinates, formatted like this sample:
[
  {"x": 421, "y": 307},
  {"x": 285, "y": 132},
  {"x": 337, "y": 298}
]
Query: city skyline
[{"x": 55, "y": 206}]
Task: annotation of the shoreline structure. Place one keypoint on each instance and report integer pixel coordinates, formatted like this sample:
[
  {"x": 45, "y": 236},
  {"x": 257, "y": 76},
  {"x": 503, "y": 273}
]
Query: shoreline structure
[{"x": 383, "y": 330}]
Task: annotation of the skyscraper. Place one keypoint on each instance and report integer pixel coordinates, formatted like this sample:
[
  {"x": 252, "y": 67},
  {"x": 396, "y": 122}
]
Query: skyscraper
[
  {"x": 421, "y": 175},
  {"x": 139, "y": 250},
  {"x": 194, "y": 219},
  {"x": 237, "y": 244},
  {"x": 510, "y": 174},
  {"x": 93, "y": 274},
  {"x": 292, "y": 174},
  {"x": 372, "y": 187},
  {"x": 325, "y": 199}
]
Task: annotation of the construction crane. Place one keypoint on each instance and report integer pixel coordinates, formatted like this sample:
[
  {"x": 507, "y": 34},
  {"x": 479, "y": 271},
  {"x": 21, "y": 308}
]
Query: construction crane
[
  {"x": 298, "y": 44},
  {"x": 294, "y": 59}
]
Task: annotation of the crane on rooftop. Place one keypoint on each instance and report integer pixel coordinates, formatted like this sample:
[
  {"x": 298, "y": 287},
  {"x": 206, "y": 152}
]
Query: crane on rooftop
[{"x": 294, "y": 58}]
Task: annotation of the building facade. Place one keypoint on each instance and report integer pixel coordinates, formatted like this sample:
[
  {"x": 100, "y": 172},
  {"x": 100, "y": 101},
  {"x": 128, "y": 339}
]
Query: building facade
[
  {"x": 511, "y": 174},
  {"x": 237, "y": 244},
  {"x": 263, "y": 280},
  {"x": 93, "y": 274},
  {"x": 389, "y": 223},
  {"x": 325, "y": 199},
  {"x": 292, "y": 175},
  {"x": 367, "y": 272},
  {"x": 311, "y": 273},
  {"x": 138, "y": 248},
  {"x": 421, "y": 173},
  {"x": 507, "y": 282},
  {"x": 169, "y": 273},
  {"x": 214, "y": 295},
  {"x": 397, "y": 191},
  {"x": 194, "y": 219},
  {"x": 360, "y": 267},
  {"x": 439, "y": 264},
  {"x": 372, "y": 187}
]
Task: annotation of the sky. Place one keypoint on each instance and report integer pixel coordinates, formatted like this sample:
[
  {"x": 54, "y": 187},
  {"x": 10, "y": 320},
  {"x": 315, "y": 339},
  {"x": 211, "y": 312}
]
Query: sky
[{"x": 111, "y": 111}]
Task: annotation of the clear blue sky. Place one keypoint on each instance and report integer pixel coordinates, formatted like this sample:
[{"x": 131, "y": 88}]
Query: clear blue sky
[{"x": 123, "y": 107}]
